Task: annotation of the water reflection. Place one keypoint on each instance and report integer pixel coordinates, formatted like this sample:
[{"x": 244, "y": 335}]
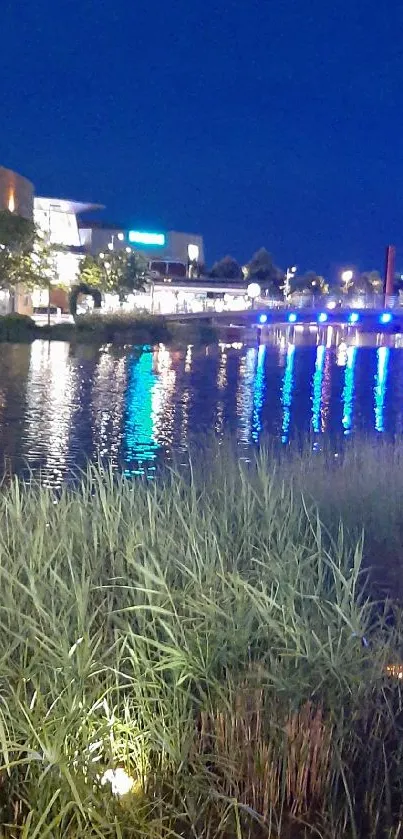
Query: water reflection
[
  {"x": 247, "y": 369},
  {"x": 348, "y": 390},
  {"x": 317, "y": 388},
  {"x": 286, "y": 392},
  {"x": 139, "y": 441},
  {"x": 258, "y": 394},
  {"x": 51, "y": 386},
  {"x": 383, "y": 354},
  {"x": 132, "y": 407}
]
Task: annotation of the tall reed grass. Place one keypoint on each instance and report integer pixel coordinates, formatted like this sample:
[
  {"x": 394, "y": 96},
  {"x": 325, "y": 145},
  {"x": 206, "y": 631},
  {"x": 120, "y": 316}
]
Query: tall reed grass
[{"x": 212, "y": 634}]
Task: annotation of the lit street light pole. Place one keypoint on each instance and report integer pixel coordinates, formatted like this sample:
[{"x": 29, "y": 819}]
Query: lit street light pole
[
  {"x": 289, "y": 275},
  {"x": 346, "y": 278}
]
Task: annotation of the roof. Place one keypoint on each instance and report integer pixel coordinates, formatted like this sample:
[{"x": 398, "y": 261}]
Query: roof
[{"x": 64, "y": 205}]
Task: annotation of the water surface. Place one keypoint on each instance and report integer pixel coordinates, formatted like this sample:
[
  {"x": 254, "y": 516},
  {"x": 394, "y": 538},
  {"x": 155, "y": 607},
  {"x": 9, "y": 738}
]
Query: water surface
[{"x": 61, "y": 405}]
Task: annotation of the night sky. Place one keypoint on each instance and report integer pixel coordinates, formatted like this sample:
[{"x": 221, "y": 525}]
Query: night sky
[{"x": 254, "y": 123}]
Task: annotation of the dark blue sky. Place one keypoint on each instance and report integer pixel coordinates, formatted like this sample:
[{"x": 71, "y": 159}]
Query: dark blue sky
[{"x": 254, "y": 123}]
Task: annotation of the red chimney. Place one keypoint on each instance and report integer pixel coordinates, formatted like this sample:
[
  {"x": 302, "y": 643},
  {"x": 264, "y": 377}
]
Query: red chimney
[{"x": 389, "y": 271}]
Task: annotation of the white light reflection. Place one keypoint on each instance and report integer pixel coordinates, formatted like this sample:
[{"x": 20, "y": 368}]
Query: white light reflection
[
  {"x": 244, "y": 399},
  {"x": 222, "y": 382},
  {"x": 107, "y": 402},
  {"x": 51, "y": 389},
  {"x": 162, "y": 399}
]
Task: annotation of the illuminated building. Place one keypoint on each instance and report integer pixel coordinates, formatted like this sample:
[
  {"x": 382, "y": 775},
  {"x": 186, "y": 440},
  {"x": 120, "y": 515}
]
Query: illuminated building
[
  {"x": 16, "y": 196},
  {"x": 16, "y": 193},
  {"x": 169, "y": 253},
  {"x": 57, "y": 218}
]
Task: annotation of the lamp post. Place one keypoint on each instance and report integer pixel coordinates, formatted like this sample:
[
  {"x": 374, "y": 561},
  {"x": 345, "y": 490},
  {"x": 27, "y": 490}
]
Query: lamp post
[
  {"x": 289, "y": 275},
  {"x": 346, "y": 277},
  {"x": 253, "y": 291}
]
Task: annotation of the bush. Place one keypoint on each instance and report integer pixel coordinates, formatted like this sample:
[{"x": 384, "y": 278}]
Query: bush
[
  {"x": 59, "y": 331},
  {"x": 15, "y": 327},
  {"x": 202, "y": 633},
  {"x": 123, "y": 327}
]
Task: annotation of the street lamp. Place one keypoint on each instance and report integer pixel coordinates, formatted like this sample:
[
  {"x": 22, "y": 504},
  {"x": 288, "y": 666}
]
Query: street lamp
[
  {"x": 253, "y": 291},
  {"x": 289, "y": 275},
  {"x": 346, "y": 277}
]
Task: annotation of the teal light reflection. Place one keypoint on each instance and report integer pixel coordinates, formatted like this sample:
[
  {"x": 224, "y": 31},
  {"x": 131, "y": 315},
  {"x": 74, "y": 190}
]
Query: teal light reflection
[
  {"x": 139, "y": 444},
  {"x": 383, "y": 354},
  {"x": 348, "y": 390},
  {"x": 317, "y": 388},
  {"x": 286, "y": 392},
  {"x": 258, "y": 394}
]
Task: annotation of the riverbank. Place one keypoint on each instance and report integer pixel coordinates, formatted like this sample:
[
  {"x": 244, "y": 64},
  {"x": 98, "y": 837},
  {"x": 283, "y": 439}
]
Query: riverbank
[
  {"x": 118, "y": 328},
  {"x": 203, "y": 642}
]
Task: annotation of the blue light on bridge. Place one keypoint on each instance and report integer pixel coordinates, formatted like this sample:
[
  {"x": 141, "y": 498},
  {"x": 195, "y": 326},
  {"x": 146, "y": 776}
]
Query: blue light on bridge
[
  {"x": 292, "y": 318},
  {"x": 354, "y": 317},
  {"x": 385, "y": 317},
  {"x": 262, "y": 318},
  {"x": 322, "y": 318}
]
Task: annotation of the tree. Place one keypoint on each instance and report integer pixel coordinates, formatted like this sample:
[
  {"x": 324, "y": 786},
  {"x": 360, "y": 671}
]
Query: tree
[
  {"x": 91, "y": 272},
  {"x": 17, "y": 236},
  {"x": 123, "y": 273},
  {"x": 309, "y": 282},
  {"x": 370, "y": 282},
  {"x": 28, "y": 261},
  {"x": 261, "y": 269},
  {"x": 226, "y": 268},
  {"x": 16, "y": 233}
]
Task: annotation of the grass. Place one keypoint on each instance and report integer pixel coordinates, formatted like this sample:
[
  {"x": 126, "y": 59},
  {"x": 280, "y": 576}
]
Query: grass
[
  {"x": 108, "y": 328},
  {"x": 204, "y": 632}
]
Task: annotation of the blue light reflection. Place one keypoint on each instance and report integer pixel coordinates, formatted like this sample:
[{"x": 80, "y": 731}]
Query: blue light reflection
[
  {"x": 286, "y": 392},
  {"x": 348, "y": 390},
  {"x": 383, "y": 354},
  {"x": 139, "y": 443},
  {"x": 317, "y": 388},
  {"x": 258, "y": 394}
]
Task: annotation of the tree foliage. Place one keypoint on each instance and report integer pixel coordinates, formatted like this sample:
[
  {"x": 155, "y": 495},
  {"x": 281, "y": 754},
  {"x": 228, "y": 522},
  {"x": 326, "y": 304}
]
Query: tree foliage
[
  {"x": 309, "y": 282},
  {"x": 261, "y": 269},
  {"x": 91, "y": 272},
  {"x": 16, "y": 233},
  {"x": 124, "y": 273},
  {"x": 226, "y": 268},
  {"x": 26, "y": 257}
]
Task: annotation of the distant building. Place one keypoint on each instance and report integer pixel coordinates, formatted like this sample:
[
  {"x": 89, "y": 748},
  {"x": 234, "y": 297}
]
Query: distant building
[
  {"x": 16, "y": 196},
  {"x": 16, "y": 193},
  {"x": 169, "y": 253},
  {"x": 58, "y": 220}
]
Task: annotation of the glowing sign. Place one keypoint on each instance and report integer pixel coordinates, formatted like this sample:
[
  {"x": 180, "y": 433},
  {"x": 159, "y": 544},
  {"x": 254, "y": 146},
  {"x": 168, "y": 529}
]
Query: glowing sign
[{"x": 140, "y": 237}]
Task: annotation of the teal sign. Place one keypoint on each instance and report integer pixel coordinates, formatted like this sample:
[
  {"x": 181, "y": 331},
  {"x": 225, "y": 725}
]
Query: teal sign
[{"x": 142, "y": 237}]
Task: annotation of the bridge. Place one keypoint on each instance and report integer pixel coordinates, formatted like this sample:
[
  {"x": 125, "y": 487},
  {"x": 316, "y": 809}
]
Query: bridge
[{"x": 367, "y": 319}]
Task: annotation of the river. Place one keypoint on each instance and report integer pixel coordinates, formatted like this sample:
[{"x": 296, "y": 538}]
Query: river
[{"x": 62, "y": 405}]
